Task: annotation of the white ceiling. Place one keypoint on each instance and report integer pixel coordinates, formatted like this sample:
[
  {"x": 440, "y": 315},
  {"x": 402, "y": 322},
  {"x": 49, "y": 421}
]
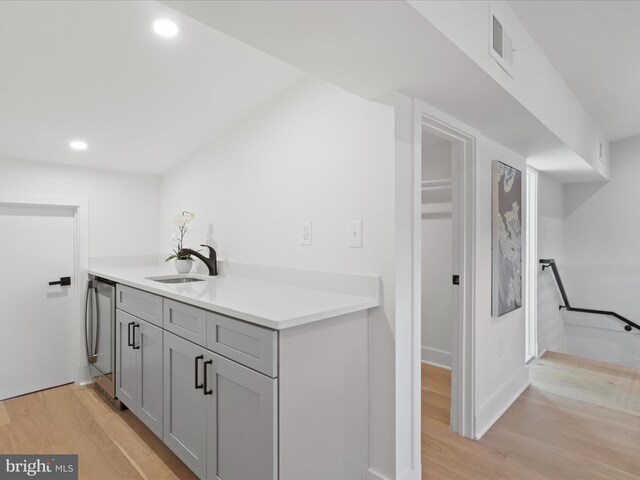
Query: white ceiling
[
  {"x": 373, "y": 48},
  {"x": 594, "y": 47},
  {"x": 97, "y": 71}
]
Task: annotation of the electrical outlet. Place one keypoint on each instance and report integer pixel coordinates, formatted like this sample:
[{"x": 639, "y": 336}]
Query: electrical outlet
[
  {"x": 500, "y": 347},
  {"x": 305, "y": 233},
  {"x": 355, "y": 234}
]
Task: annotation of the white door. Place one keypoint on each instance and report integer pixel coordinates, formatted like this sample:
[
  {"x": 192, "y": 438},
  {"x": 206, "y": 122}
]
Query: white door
[{"x": 36, "y": 320}]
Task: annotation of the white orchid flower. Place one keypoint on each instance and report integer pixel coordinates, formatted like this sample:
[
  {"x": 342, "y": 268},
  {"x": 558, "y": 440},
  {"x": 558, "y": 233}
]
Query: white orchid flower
[{"x": 181, "y": 222}]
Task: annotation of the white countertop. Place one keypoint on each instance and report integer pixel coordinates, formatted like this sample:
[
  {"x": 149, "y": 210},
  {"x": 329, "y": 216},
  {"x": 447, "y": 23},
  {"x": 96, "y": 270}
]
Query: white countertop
[{"x": 271, "y": 305}]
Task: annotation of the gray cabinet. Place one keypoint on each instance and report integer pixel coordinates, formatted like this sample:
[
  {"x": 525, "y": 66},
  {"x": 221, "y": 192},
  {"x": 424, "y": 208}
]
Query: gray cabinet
[
  {"x": 139, "y": 369},
  {"x": 205, "y": 383},
  {"x": 149, "y": 406},
  {"x": 220, "y": 418},
  {"x": 242, "y": 423},
  {"x": 185, "y": 412},
  {"x": 144, "y": 305},
  {"x": 126, "y": 378}
]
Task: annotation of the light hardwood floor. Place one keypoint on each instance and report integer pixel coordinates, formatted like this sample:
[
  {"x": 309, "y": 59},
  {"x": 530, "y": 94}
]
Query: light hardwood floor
[
  {"x": 579, "y": 420},
  {"x": 111, "y": 445}
]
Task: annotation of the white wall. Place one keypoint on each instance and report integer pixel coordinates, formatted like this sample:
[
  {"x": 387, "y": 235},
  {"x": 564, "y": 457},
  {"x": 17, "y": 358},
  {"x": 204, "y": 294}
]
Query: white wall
[
  {"x": 124, "y": 208},
  {"x": 551, "y": 244},
  {"x": 437, "y": 255},
  {"x": 602, "y": 263},
  {"x": 500, "y": 376},
  {"x": 316, "y": 153}
]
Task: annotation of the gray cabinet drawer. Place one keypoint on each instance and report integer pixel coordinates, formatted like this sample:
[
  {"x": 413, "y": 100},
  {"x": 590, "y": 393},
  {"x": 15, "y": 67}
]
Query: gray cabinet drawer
[
  {"x": 253, "y": 346},
  {"x": 146, "y": 306},
  {"x": 186, "y": 321}
]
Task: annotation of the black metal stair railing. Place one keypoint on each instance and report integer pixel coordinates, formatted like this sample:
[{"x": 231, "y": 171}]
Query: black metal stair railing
[{"x": 550, "y": 262}]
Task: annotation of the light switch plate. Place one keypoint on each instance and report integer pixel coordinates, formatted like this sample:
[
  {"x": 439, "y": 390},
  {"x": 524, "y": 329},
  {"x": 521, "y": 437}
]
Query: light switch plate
[
  {"x": 355, "y": 234},
  {"x": 305, "y": 232}
]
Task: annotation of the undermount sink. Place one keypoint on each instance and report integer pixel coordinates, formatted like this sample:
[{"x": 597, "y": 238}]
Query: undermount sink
[{"x": 176, "y": 279}]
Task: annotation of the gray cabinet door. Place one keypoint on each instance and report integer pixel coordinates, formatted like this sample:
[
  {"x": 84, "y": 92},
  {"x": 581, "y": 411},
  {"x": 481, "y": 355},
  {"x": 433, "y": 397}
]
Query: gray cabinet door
[
  {"x": 126, "y": 376},
  {"x": 242, "y": 423},
  {"x": 185, "y": 425},
  {"x": 149, "y": 371}
]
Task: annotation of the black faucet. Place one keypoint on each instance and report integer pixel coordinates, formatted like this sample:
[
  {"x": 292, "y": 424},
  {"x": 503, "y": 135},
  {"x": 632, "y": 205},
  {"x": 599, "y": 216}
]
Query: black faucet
[{"x": 211, "y": 262}]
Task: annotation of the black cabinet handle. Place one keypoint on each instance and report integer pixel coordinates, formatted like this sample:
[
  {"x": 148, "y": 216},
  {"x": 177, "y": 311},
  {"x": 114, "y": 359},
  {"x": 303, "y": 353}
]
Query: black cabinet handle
[
  {"x": 63, "y": 282},
  {"x": 129, "y": 344},
  {"x": 199, "y": 357},
  {"x": 135, "y": 325},
  {"x": 207, "y": 391}
]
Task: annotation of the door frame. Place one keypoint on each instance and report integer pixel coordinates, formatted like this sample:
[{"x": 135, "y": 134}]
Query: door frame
[
  {"x": 411, "y": 115},
  {"x": 531, "y": 264},
  {"x": 463, "y": 219},
  {"x": 80, "y": 206}
]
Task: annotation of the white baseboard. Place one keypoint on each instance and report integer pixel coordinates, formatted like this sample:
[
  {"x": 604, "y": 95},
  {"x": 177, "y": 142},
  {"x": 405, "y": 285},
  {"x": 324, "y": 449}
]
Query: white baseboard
[
  {"x": 83, "y": 377},
  {"x": 414, "y": 474},
  {"x": 493, "y": 409},
  {"x": 373, "y": 475},
  {"x": 436, "y": 357},
  {"x": 410, "y": 475}
]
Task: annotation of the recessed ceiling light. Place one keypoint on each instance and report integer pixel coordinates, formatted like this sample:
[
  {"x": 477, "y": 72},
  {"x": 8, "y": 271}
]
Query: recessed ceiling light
[
  {"x": 165, "y": 28},
  {"x": 78, "y": 145}
]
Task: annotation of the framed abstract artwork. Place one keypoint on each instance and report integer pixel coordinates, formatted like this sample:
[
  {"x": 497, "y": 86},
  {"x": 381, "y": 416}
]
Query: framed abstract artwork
[{"x": 506, "y": 239}]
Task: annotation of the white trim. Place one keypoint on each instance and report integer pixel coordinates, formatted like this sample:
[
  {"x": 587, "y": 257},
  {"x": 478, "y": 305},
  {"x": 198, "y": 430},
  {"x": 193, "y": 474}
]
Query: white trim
[
  {"x": 500, "y": 402},
  {"x": 373, "y": 475},
  {"x": 437, "y": 358},
  {"x": 81, "y": 264},
  {"x": 595, "y": 320},
  {"x": 407, "y": 372},
  {"x": 410, "y": 116},
  {"x": 463, "y": 214},
  {"x": 531, "y": 264}
]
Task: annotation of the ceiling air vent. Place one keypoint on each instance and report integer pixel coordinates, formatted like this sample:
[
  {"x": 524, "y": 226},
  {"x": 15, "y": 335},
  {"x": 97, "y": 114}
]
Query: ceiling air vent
[{"x": 501, "y": 45}]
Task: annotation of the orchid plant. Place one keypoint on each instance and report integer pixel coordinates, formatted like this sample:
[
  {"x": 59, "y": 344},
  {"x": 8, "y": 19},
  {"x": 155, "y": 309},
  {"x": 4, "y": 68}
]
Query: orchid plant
[{"x": 181, "y": 221}]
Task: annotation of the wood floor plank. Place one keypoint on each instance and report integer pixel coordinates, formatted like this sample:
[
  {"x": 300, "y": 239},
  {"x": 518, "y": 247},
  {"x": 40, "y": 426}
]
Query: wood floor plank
[
  {"x": 4, "y": 415},
  {"x": 439, "y": 406},
  {"x": 436, "y": 379},
  {"x": 76, "y": 420},
  {"x": 579, "y": 420},
  {"x": 151, "y": 458}
]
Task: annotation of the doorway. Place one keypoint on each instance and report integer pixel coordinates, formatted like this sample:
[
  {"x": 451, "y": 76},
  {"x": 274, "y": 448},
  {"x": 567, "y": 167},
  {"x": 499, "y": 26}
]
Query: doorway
[
  {"x": 412, "y": 117},
  {"x": 444, "y": 164},
  {"x": 36, "y": 344},
  {"x": 44, "y": 240},
  {"x": 437, "y": 250},
  {"x": 437, "y": 280}
]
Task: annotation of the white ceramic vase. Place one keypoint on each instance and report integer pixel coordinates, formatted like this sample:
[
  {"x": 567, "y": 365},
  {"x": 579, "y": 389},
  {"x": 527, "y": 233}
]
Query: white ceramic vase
[{"x": 184, "y": 266}]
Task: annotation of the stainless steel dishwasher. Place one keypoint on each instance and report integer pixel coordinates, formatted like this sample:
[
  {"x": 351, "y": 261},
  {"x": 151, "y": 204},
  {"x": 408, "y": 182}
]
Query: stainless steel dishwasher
[{"x": 100, "y": 335}]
